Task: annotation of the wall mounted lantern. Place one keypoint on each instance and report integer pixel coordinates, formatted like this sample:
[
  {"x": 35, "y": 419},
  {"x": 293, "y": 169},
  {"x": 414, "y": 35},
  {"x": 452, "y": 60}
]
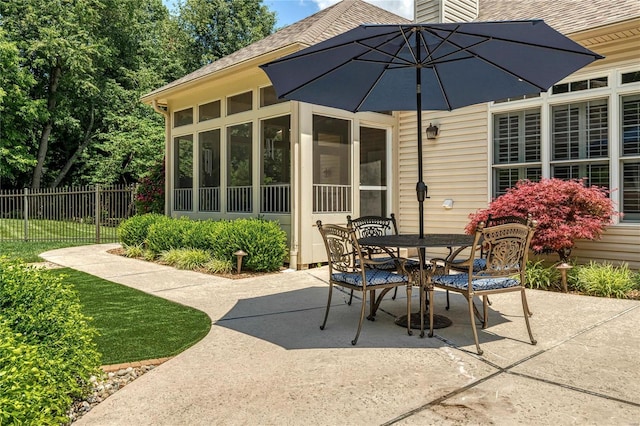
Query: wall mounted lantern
[{"x": 432, "y": 131}]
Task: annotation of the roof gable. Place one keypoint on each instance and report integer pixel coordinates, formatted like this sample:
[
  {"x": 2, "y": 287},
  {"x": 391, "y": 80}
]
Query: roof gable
[{"x": 320, "y": 26}]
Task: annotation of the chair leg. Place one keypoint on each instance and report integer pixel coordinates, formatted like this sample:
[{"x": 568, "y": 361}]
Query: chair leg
[
  {"x": 395, "y": 293},
  {"x": 431, "y": 297},
  {"x": 350, "y": 298},
  {"x": 447, "y": 308},
  {"x": 527, "y": 312},
  {"x": 472, "y": 317},
  {"x": 362, "y": 312},
  {"x": 485, "y": 311},
  {"x": 409, "y": 289},
  {"x": 372, "y": 308},
  {"x": 326, "y": 313}
]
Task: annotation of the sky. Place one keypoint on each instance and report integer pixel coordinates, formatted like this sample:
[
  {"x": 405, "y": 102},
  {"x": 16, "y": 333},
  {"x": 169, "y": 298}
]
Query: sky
[{"x": 290, "y": 11}]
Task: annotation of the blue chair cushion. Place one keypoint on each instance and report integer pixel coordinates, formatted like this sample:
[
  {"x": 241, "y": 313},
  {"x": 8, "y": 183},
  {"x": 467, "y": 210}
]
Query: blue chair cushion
[
  {"x": 478, "y": 264},
  {"x": 389, "y": 264},
  {"x": 461, "y": 281},
  {"x": 373, "y": 276}
]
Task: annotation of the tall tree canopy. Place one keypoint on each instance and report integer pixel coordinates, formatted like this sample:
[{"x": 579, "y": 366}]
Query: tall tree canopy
[
  {"x": 72, "y": 73},
  {"x": 216, "y": 28}
]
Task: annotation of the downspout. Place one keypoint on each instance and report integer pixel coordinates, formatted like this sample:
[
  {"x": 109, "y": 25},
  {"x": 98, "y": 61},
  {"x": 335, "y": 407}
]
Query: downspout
[{"x": 167, "y": 146}]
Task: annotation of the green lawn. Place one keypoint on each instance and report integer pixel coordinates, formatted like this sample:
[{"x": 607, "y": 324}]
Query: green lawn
[
  {"x": 134, "y": 325},
  {"x": 39, "y": 229},
  {"x": 30, "y": 251}
]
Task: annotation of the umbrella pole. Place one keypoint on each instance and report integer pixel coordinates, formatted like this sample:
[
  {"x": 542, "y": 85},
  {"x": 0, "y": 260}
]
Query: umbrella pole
[{"x": 421, "y": 188}]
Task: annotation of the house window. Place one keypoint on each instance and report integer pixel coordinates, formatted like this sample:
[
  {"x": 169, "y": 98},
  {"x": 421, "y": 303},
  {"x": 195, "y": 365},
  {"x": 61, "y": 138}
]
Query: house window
[
  {"x": 580, "y": 142},
  {"x": 331, "y": 165},
  {"x": 209, "y": 111},
  {"x": 630, "y": 158},
  {"x": 209, "y": 154},
  {"x": 183, "y": 117},
  {"x": 275, "y": 187},
  {"x": 239, "y": 168},
  {"x": 240, "y": 103},
  {"x": 183, "y": 173},
  {"x": 576, "y": 86},
  {"x": 268, "y": 97},
  {"x": 631, "y": 77},
  {"x": 516, "y": 148}
]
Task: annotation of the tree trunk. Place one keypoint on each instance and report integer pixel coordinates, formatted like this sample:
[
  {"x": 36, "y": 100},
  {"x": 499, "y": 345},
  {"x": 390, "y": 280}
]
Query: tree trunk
[
  {"x": 87, "y": 138},
  {"x": 54, "y": 80}
]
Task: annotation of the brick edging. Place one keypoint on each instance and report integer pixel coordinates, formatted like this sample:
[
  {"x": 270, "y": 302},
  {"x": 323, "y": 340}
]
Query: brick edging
[{"x": 135, "y": 364}]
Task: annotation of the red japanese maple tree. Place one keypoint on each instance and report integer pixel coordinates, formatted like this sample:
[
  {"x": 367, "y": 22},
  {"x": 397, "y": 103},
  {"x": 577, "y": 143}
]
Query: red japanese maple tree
[{"x": 565, "y": 211}]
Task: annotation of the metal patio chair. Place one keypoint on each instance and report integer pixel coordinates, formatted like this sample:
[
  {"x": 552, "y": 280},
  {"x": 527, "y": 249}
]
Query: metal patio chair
[
  {"x": 455, "y": 260},
  {"x": 506, "y": 247},
  {"x": 374, "y": 226},
  {"x": 350, "y": 267}
]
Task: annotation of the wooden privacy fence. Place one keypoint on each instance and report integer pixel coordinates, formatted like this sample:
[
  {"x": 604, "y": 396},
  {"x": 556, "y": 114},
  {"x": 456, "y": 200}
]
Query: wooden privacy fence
[{"x": 88, "y": 213}]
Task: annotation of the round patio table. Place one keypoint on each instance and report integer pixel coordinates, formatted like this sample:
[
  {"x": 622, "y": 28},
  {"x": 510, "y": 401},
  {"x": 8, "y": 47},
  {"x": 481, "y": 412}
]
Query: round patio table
[{"x": 414, "y": 241}]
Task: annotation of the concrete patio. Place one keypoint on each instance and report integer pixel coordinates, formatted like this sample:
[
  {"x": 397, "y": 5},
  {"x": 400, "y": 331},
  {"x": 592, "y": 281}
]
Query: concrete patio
[{"x": 265, "y": 360}]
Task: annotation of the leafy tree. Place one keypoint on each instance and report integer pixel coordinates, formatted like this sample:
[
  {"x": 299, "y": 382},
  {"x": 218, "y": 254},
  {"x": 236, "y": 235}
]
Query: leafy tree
[
  {"x": 564, "y": 211},
  {"x": 216, "y": 28},
  {"x": 16, "y": 112},
  {"x": 59, "y": 46}
]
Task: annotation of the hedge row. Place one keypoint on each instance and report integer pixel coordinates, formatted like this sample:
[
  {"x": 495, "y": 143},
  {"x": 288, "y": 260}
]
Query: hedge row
[
  {"x": 264, "y": 241},
  {"x": 47, "y": 354}
]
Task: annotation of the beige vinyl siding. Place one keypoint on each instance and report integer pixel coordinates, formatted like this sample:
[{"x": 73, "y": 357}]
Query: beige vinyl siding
[
  {"x": 619, "y": 244},
  {"x": 446, "y": 10},
  {"x": 455, "y": 167},
  {"x": 460, "y": 10},
  {"x": 428, "y": 11}
]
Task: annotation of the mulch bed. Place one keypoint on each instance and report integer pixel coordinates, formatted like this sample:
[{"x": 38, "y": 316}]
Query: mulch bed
[{"x": 233, "y": 276}]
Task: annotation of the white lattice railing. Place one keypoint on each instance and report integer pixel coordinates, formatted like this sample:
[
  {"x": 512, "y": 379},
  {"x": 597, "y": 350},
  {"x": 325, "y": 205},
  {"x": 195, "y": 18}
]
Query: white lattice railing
[
  {"x": 209, "y": 199},
  {"x": 239, "y": 199},
  {"x": 275, "y": 198},
  {"x": 331, "y": 198},
  {"x": 183, "y": 199}
]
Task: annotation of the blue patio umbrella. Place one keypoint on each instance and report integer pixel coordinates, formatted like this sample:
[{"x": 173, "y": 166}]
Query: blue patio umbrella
[{"x": 416, "y": 67}]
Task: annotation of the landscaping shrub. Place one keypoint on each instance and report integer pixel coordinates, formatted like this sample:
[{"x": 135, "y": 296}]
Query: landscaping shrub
[
  {"x": 46, "y": 337},
  {"x": 29, "y": 392},
  {"x": 264, "y": 242},
  {"x": 218, "y": 266},
  {"x": 565, "y": 211},
  {"x": 169, "y": 234},
  {"x": 150, "y": 193},
  {"x": 134, "y": 231},
  {"x": 540, "y": 276},
  {"x": 186, "y": 258},
  {"x": 604, "y": 280},
  {"x": 202, "y": 234}
]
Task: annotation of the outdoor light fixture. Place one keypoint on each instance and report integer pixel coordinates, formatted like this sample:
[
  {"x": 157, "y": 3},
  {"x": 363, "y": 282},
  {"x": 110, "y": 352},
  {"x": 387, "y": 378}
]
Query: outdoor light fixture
[
  {"x": 447, "y": 204},
  {"x": 432, "y": 131},
  {"x": 239, "y": 255}
]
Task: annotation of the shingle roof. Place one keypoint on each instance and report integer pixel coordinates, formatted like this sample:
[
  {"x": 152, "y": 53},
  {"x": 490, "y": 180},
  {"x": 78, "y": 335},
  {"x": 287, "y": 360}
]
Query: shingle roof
[
  {"x": 566, "y": 16},
  {"x": 323, "y": 25}
]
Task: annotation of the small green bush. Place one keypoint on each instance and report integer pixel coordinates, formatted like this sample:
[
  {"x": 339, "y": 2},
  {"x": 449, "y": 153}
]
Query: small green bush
[
  {"x": 603, "y": 279},
  {"x": 264, "y": 242},
  {"x": 540, "y": 276},
  {"x": 218, "y": 266},
  {"x": 185, "y": 258},
  {"x": 134, "y": 251},
  {"x": 44, "y": 328},
  {"x": 133, "y": 231},
  {"x": 29, "y": 391},
  {"x": 169, "y": 234}
]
